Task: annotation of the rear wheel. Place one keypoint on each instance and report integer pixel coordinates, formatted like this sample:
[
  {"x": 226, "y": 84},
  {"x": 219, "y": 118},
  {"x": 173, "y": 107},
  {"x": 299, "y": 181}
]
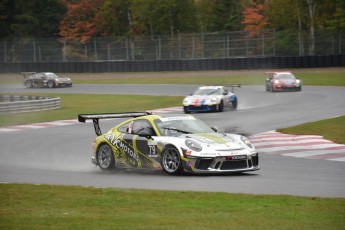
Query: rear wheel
[
  {"x": 105, "y": 157},
  {"x": 171, "y": 161},
  {"x": 28, "y": 84},
  {"x": 51, "y": 84}
]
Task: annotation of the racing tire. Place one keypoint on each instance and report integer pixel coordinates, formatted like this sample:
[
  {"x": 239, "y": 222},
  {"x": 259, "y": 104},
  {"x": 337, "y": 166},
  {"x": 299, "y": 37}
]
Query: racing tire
[
  {"x": 171, "y": 161},
  {"x": 234, "y": 103},
  {"x": 267, "y": 88},
  {"x": 185, "y": 109},
  {"x": 51, "y": 84},
  {"x": 29, "y": 84},
  {"x": 105, "y": 157},
  {"x": 272, "y": 89},
  {"x": 221, "y": 106}
]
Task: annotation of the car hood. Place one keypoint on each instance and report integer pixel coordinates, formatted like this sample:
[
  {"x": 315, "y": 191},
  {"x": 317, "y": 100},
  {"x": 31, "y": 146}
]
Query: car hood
[
  {"x": 217, "y": 141},
  {"x": 202, "y": 97},
  {"x": 288, "y": 81}
]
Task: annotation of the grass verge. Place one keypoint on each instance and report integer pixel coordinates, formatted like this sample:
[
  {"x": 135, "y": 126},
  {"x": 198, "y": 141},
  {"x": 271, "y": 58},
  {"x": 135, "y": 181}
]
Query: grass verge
[
  {"x": 331, "y": 129},
  {"x": 73, "y": 104},
  {"x": 72, "y": 207},
  {"x": 258, "y": 77}
]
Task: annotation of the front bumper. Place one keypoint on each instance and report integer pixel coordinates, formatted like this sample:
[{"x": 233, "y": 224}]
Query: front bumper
[
  {"x": 223, "y": 165},
  {"x": 201, "y": 108},
  {"x": 287, "y": 87}
]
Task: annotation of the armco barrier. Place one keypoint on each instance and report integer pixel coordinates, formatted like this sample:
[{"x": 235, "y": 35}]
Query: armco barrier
[
  {"x": 21, "y": 104},
  {"x": 178, "y": 65}
]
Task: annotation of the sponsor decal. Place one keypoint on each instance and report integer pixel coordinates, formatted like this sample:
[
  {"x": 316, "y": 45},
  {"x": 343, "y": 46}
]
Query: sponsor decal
[
  {"x": 240, "y": 157},
  {"x": 189, "y": 164},
  {"x": 121, "y": 145}
]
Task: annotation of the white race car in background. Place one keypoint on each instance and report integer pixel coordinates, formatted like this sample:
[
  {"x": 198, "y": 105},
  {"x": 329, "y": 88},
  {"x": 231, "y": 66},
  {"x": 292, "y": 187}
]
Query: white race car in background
[{"x": 210, "y": 98}]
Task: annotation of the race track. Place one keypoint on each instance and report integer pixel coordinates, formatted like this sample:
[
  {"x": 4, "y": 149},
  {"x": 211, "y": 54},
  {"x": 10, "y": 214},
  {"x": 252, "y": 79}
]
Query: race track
[{"x": 61, "y": 155}]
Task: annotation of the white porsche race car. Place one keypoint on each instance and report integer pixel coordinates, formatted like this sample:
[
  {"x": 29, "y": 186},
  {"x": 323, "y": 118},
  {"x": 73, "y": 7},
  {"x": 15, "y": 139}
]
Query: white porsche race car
[
  {"x": 174, "y": 143},
  {"x": 210, "y": 98}
]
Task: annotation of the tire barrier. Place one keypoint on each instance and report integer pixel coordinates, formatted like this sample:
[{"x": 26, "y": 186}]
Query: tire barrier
[
  {"x": 178, "y": 65},
  {"x": 23, "y": 104}
]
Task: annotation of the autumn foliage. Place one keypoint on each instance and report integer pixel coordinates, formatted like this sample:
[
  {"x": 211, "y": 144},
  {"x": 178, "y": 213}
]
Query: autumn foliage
[
  {"x": 253, "y": 18},
  {"x": 81, "y": 21}
]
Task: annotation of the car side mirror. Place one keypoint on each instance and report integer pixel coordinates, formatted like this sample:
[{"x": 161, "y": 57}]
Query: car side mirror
[{"x": 214, "y": 129}]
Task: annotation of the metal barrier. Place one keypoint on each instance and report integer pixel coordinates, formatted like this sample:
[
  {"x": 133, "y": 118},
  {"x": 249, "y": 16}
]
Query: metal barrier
[
  {"x": 178, "y": 65},
  {"x": 22, "y": 104}
]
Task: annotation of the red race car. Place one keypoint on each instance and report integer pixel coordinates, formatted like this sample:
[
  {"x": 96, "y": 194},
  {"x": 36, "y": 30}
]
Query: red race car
[{"x": 283, "y": 81}]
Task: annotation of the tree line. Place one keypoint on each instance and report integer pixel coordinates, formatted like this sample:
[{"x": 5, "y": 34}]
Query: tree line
[{"x": 81, "y": 20}]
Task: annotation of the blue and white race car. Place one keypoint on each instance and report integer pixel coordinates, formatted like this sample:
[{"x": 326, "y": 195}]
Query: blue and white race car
[{"x": 210, "y": 98}]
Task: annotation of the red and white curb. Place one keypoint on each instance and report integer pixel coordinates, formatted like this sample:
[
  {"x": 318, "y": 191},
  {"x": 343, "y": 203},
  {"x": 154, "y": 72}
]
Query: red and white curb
[
  {"x": 71, "y": 122},
  {"x": 305, "y": 146}
]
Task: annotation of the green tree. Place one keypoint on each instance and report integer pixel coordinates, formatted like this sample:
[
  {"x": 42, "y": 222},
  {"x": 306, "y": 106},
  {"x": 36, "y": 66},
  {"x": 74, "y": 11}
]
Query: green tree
[
  {"x": 34, "y": 18},
  {"x": 114, "y": 17},
  {"x": 164, "y": 17},
  {"x": 226, "y": 15}
]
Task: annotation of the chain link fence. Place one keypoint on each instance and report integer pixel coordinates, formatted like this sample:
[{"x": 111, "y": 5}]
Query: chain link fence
[{"x": 264, "y": 43}]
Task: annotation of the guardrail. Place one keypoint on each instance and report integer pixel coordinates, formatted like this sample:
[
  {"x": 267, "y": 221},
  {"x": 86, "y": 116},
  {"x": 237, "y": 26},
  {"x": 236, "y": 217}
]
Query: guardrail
[{"x": 22, "y": 103}]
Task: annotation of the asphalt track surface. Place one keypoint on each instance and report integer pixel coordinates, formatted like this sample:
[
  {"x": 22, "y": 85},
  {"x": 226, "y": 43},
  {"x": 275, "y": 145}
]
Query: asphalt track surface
[{"x": 61, "y": 155}]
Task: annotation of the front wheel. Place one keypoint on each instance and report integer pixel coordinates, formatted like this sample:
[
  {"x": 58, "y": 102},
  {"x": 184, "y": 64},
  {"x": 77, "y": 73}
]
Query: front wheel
[
  {"x": 221, "y": 106},
  {"x": 105, "y": 157},
  {"x": 171, "y": 161},
  {"x": 234, "y": 103}
]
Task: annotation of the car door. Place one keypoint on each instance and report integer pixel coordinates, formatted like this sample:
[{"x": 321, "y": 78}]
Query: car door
[
  {"x": 39, "y": 79},
  {"x": 143, "y": 146}
]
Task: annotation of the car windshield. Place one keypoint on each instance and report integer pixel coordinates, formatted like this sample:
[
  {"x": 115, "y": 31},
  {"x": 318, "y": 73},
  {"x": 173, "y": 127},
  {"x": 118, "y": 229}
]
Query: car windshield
[
  {"x": 178, "y": 125},
  {"x": 207, "y": 91},
  {"x": 51, "y": 75},
  {"x": 285, "y": 76}
]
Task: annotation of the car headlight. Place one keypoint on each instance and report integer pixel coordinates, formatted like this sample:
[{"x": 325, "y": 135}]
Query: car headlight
[
  {"x": 213, "y": 99},
  {"x": 193, "y": 145},
  {"x": 298, "y": 81},
  {"x": 276, "y": 81},
  {"x": 247, "y": 142},
  {"x": 186, "y": 100}
]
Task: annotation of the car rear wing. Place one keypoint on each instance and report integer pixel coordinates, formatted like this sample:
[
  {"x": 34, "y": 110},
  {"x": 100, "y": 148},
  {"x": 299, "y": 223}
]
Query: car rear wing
[
  {"x": 26, "y": 74},
  {"x": 95, "y": 118},
  {"x": 233, "y": 87}
]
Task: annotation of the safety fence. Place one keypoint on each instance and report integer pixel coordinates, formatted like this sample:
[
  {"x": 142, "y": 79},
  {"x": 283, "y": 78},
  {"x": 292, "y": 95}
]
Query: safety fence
[
  {"x": 22, "y": 103},
  {"x": 178, "y": 65}
]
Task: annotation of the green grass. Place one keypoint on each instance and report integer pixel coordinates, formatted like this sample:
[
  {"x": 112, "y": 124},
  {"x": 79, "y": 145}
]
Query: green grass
[
  {"x": 321, "y": 79},
  {"x": 74, "y": 104},
  {"x": 331, "y": 129},
  {"x": 71, "y": 207},
  {"x": 312, "y": 79}
]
